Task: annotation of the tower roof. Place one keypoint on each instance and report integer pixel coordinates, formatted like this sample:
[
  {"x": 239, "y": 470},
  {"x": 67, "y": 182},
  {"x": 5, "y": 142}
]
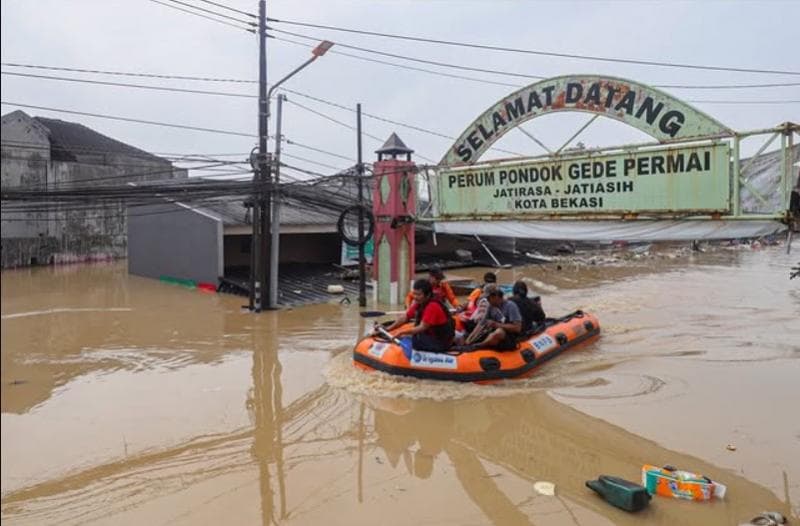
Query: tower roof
[{"x": 394, "y": 146}]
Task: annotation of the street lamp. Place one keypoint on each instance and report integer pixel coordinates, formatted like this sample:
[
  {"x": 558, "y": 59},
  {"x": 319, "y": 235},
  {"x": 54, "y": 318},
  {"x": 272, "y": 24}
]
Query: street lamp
[{"x": 274, "y": 193}]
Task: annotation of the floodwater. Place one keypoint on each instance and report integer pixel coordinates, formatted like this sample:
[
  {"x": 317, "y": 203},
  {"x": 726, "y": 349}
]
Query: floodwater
[{"x": 130, "y": 401}]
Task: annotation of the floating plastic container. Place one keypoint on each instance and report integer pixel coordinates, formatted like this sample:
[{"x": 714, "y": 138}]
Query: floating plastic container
[
  {"x": 188, "y": 283},
  {"x": 671, "y": 482},
  {"x": 620, "y": 492},
  {"x": 206, "y": 287}
]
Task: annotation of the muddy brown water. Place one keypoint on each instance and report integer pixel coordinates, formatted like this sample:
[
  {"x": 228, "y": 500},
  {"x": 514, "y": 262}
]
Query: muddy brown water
[{"x": 130, "y": 401}]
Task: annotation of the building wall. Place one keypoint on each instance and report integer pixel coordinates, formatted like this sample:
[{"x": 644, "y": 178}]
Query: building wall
[
  {"x": 311, "y": 248},
  {"x": 97, "y": 232},
  {"x": 25, "y": 158},
  {"x": 172, "y": 240},
  {"x": 295, "y": 248}
]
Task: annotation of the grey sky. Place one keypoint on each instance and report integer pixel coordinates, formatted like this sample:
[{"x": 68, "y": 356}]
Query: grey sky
[{"x": 138, "y": 35}]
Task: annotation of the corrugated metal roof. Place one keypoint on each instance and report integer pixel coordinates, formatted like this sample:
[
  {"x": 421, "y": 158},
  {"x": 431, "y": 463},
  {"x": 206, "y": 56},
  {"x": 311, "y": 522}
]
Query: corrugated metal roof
[
  {"x": 68, "y": 140},
  {"x": 318, "y": 204}
]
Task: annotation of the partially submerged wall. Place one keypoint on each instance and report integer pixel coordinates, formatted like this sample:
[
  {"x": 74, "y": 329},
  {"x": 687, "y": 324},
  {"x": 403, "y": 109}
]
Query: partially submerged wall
[{"x": 175, "y": 241}]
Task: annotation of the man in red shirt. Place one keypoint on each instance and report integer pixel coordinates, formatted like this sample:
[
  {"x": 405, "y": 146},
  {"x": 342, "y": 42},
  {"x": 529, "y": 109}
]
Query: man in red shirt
[{"x": 433, "y": 328}]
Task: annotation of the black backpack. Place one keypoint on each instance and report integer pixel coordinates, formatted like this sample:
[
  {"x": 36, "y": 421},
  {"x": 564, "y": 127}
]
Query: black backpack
[{"x": 446, "y": 332}]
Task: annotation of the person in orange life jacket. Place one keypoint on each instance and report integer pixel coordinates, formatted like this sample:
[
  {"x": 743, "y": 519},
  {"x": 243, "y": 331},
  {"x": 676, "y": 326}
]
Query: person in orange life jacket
[
  {"x": 505, "y": 321},
  {"x": 441, "y": 289},
  {"x": 433, "y": 328},
  {"x": 530, "y": 308}
]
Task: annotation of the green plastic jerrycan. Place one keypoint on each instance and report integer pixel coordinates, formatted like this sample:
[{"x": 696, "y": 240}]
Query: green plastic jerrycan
[{"x": 620, "y": 493}]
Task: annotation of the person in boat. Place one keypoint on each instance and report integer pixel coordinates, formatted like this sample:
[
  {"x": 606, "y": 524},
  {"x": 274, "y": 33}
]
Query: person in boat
[
  {"x": 466, "y": 318},
  {"x": 489, "y": 278},
  {"x": 433, "y": 328},
  {"x": 503, "y": 321},
  {"x": 529, "y": 308},
  {"x": 442, "y": 290},
  {"x": 471, "y": 324}
]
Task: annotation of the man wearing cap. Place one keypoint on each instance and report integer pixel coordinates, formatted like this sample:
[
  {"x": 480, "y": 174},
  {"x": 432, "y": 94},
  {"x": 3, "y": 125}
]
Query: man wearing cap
[{"x": 504, "y": 321}]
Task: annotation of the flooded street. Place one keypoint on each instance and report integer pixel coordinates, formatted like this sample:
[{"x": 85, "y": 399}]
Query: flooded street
[{"x": 130, "y": 401}]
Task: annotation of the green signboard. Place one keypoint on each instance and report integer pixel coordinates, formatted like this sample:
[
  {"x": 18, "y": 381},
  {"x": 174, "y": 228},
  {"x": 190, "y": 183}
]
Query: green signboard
[
  {"x": 663, "y": 181},
  {"x": 652, "y": 111},
  {"x": 350, "y": 253}
]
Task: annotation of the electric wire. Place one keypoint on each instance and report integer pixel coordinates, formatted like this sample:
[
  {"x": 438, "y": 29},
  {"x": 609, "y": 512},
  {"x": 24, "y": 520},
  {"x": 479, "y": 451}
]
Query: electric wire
[
  {"x": 130, "y": 85},
  {"x": 404, "y": 66},
  {"x": 128, "y": 119},
  {"x": 172, "y": 156},
  {"x": 331, "y": 103},
  {"x": 229, "y": 8},
  {"x": 249, "y": 81},
  {"x": 250, "y": 30},
  {"x": 536, "y": 52},
  {"x": 130, "y": 73},
  {"x": 215, "y": 13},
  {"x": 412, "y": 59}
]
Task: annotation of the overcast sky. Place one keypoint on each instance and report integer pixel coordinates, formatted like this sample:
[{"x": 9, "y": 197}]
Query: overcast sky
[{"x": 143, "y": 36}]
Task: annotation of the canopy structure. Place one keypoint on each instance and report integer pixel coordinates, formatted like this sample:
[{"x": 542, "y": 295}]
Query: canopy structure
[{"x": 657, "y": 230}]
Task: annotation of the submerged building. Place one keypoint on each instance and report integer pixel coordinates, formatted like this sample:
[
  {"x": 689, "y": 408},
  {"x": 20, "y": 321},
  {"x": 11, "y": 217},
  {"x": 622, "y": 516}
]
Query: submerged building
[{"x": 45, "y": 154}]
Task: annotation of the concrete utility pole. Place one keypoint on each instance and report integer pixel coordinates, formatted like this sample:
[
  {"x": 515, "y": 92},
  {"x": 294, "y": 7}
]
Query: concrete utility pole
[
  {"x": 263, "y": 163},
  {"x": 276, "y": 211},
  {"x": 271, "y": 248},
  {"x": 261, "y": 215},
  {"x": 362, "y": 263}
]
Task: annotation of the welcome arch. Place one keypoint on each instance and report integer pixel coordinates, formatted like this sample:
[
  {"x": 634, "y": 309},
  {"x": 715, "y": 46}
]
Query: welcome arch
[{"x": 654, "y": 112}]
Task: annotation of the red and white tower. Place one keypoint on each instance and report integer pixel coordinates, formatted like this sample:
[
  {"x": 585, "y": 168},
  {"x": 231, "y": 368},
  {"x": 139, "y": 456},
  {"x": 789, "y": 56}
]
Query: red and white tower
[{"x": 394, "y": 206}]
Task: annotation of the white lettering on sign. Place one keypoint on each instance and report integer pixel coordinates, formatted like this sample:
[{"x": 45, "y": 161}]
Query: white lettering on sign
[
  {"x": 543, "y": 343},
  {"x": 432, "y": 360},
  {"x": 377, "y": 349}
]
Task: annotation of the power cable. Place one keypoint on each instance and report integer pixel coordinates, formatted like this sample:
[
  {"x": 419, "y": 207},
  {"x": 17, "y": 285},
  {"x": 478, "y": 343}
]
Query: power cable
[
  {"x": 114, "y": 164},
  {"x": 404, "y": 66},
  {"x": 248, "y": 81},
  {"x": 128, "y": 119},
  {"x": 313, "y": 148},
  {"x": 535, "y": 52},
  {"x": 128, "y": 85},
  {"x": 338, "y": 105},
  {"x": 203, "y": 16},
  {"x": 389, "y": 121},
  {"x": 412, "y": 59},
  {"x": 214, "y": 13},
  {"x": 229, "y": 8},
  {"x": 333, "y": 120},
  {"x": 284, "y": 154},
  {"x": 130, "y": 74},
  {"x": 172, "y": 156}
]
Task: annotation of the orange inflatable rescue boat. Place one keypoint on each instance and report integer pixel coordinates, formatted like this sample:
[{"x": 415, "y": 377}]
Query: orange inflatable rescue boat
[{"x": 396, "y": 356}]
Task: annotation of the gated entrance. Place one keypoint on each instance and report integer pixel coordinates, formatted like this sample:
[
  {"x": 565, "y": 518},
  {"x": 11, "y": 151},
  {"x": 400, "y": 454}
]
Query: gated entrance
[{"x": 690, "y": 171}]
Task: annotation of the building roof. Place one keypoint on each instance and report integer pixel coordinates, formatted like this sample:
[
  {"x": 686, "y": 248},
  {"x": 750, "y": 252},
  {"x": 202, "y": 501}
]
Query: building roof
[
  {"x": 317, "y": 205},
  {"x": 68, "y": 140},
  {"x": 393, "y": 146}
]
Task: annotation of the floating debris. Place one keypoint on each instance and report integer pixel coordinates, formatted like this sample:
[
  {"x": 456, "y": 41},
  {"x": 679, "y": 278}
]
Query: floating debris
[{"x": 545, "y": 488}]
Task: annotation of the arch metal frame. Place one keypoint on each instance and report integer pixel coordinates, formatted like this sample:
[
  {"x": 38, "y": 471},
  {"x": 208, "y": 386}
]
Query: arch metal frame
[{"x": 665, "y": 118}]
